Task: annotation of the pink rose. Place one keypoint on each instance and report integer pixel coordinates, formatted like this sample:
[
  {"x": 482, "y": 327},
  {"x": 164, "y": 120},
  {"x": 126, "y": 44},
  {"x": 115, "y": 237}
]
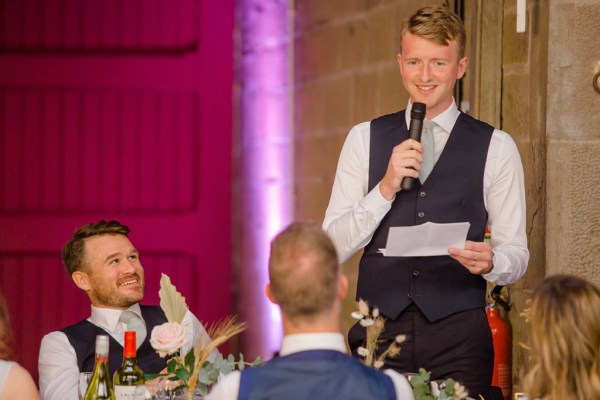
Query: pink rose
[{"x": 167, "y": 338}]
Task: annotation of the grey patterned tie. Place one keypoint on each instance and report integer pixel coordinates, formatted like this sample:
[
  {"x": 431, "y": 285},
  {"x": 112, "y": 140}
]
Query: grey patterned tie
[
  {"x": 134, "y": 323},
  {"x": 428, "y": 150}
]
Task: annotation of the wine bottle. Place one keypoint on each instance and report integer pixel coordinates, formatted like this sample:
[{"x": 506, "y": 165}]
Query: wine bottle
[
  {"x": 100, "y": 387},
  {"x": 129, "y": 378}
]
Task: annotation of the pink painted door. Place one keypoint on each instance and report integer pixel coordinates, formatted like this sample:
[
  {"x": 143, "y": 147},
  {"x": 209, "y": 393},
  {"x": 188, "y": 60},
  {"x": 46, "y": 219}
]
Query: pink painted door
[{"x": 117, "y": 110}]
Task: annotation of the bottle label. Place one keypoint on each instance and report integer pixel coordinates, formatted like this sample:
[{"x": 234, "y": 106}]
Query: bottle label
[{"x": 130, "y": 392}]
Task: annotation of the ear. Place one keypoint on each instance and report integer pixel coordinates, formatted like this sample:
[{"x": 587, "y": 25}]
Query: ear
[
  {"x": 342, "y": 287},
  {"x": 462, "y": 67},
  {"x": 399, "y": 58},
  {"x": 82, "y": 280},
  {"x": 269, "y": 293}
]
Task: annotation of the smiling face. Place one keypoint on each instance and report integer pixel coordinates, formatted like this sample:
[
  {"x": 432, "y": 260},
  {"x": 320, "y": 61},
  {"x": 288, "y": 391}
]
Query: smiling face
[
  {"x": 113, "y": 276},
  {"x": 430, "y": 71}
]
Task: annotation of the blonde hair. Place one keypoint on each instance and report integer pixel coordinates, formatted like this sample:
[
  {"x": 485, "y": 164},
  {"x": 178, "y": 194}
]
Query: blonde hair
[
  {"x": 5, "y": 331},
  {"x": 438, "y": 24},
  {"x": 565, "y": 340},
  {"x": 303, "y": 271}
]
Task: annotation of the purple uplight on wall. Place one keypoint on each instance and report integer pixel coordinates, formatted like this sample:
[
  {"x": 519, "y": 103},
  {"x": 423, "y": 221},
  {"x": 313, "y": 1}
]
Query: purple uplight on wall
[{"x": 265, "y": 156}]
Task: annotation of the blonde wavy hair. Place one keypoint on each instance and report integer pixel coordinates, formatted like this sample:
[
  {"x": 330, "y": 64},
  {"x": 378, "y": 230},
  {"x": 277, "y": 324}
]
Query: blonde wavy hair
[
  {"x": 437, "y": 24},
  {"x": 564, "y": 325}
]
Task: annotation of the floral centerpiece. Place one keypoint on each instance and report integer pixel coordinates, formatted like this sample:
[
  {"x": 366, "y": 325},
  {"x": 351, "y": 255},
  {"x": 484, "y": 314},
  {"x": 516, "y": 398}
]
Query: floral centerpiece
[
  {"x": 423, "y": 387},
  {"x": 192, "y": 372}
]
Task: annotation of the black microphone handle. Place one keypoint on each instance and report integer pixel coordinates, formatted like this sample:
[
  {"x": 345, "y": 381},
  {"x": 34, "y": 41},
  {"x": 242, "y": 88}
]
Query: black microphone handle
[
  {"x": 414, "y": 132},
  {"x": 415, "y": 129}
]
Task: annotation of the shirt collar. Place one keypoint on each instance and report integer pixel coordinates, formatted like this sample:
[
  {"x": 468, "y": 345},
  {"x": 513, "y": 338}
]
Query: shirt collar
[
  {"x": 108, "y": 318},
  {"x": 313, "y": 341},
  {"x": 445, "y": 120}
]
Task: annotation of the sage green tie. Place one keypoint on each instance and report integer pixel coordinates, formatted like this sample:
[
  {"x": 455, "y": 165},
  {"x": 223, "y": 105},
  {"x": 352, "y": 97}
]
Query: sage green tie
[
  {"x": 134, "y": 323},
  {"x": 428, "y": 150}
]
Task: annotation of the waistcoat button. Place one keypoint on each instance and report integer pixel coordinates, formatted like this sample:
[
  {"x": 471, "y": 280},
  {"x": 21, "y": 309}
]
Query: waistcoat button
[{"x": 421, "y": 214}]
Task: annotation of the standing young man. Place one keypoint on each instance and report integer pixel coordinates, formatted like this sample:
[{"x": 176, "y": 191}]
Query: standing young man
[{"x": 477, "y": 177}]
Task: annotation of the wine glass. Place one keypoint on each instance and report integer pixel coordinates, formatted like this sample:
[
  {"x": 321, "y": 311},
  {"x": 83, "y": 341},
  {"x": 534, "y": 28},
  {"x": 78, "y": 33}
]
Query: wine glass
[
  {"x": 166, "y": 389},
  {"x": 84, "y": 381}
]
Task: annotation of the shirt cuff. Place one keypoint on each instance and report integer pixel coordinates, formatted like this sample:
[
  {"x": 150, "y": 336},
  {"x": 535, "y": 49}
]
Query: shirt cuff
[
  {"x": 377, "y": 204},
  {"x": 497, "y": 273}
]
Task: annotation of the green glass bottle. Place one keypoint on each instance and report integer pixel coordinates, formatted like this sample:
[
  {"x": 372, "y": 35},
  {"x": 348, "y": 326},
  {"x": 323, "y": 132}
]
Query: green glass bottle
[
  {"x": 100, "y": 387},
  {"x": 129, "y": 378}
]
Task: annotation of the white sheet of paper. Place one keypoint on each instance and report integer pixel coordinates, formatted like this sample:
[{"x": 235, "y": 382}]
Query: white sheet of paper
[{"x": 428, "y": 239}]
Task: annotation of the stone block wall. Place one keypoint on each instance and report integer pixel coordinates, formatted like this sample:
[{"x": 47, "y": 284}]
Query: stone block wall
[
  {"x": 573, "y": 134},
  {"x": 523, "y": 111}
]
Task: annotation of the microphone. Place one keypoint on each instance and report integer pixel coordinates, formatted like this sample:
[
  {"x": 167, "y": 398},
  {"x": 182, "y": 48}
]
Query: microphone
[{"x": 417, "y": 115}]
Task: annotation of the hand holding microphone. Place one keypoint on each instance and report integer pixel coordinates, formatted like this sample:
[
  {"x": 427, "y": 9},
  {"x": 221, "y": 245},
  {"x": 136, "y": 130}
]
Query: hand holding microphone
[{"x": 417, "y": 115}]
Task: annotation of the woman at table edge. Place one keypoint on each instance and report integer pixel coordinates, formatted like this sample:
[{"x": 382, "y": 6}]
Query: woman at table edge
[{"x": 15, "y": 381}]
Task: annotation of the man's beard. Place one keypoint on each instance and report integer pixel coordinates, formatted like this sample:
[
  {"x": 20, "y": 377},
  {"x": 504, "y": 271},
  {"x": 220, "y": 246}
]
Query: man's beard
[{"x": 113, "y": 298}]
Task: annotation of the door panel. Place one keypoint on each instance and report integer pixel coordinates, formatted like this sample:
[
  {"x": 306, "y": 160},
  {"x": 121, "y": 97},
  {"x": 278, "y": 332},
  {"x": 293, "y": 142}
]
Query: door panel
[{"x": 116, "y": 110}]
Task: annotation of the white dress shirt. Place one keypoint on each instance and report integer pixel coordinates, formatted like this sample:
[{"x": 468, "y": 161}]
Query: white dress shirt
[
  {"x": 354, "y": 214},
  {"x": 229, "y": 386},
  {"x": 57, "y": 363}
]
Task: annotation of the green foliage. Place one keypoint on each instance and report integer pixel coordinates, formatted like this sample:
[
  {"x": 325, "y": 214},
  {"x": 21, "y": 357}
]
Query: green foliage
[
  {"x": 421, "y": 386},
  {"x": 448, "y": 387},
  {"x": 209, "y": 372},
  {"x": 424, "y": 389}
]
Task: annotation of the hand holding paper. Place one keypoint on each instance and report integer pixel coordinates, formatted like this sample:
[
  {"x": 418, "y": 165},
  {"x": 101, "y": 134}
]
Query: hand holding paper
[{"x": 428, "y": 239}]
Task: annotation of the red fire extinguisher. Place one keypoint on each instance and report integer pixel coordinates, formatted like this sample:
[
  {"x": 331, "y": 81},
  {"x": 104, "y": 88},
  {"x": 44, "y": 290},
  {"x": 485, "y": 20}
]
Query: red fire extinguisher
[{"x": 502, "y": 338}]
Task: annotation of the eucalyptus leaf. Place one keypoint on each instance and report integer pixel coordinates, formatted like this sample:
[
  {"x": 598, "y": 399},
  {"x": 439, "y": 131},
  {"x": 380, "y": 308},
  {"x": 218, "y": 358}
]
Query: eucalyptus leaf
[
  {"x": 219, "y": 360},
  {"x": 226, "y": 368},
  {"x": 421, "y": 390},
  {"x": 203, "y": 377},
  {"x": 448, "y": 386},
  {"x": 256, "y": 362},
  {"x": 416, "y": 380},
  {"x": 202, "y": 389},
  {"x": 424, "y": 374}
]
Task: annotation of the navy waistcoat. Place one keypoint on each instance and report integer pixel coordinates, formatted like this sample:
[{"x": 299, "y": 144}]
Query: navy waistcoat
[
  {"x": 82, "y": 337},
  {"x": 453, "y": 192},
  {"x": 315, "y": 375}
]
